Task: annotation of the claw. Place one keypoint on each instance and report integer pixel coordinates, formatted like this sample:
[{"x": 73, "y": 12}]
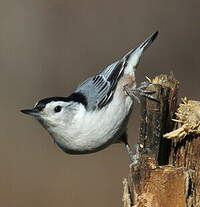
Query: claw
[
  {"x": 134, "y": 155},
  {"x": 131, "y": 93},
  {"x": 151, "y": 98},
  {"x": 140, "y": 91}
]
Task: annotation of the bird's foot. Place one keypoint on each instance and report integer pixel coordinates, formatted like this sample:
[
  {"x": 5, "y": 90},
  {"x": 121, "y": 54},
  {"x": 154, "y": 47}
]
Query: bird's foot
[
  {"x": 137, "y": 93},
  {"x": 134, "y": 156}
]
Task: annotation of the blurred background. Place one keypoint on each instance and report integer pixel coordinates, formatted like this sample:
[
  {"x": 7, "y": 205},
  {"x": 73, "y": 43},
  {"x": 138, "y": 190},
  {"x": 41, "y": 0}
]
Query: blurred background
[{"x": 47, "y": 47}]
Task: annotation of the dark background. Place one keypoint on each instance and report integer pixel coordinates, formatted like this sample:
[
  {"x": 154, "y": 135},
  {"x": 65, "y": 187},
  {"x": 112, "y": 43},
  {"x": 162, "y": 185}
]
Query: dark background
[{"x": 47, "y": 47}]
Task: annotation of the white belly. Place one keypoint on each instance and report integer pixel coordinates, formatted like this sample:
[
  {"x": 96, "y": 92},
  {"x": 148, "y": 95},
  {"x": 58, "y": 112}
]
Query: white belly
[{"x": 92, "y": 131}]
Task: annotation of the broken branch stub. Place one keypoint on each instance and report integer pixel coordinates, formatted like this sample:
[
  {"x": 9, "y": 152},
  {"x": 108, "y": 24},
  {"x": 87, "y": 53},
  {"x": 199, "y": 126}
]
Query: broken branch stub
[
  {"x": 156, "y": 118},
  {"x": 186, "y": 138},
  {"x": 148, "y": 183},
  {"x": 185, "y": 151},
  {"x": 177, "y": 184}
]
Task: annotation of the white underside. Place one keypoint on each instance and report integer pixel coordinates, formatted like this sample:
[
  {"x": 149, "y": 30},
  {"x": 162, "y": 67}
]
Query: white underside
[{"x": 92, "y": 131}]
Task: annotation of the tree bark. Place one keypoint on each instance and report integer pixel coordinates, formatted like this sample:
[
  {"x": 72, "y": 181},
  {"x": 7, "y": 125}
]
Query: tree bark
[{"x": 167, "y": 172}]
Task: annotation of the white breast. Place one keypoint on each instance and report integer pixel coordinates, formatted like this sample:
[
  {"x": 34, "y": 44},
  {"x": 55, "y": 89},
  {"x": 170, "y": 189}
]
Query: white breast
[{"x": 92, "y": 131}]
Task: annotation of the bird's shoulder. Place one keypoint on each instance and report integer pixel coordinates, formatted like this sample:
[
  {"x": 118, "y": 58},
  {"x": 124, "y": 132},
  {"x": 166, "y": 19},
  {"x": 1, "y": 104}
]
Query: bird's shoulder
[{"x": 99, "y": 89}]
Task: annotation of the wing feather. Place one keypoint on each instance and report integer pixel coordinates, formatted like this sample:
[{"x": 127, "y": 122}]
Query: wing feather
[{"x": 100, "y": 88}]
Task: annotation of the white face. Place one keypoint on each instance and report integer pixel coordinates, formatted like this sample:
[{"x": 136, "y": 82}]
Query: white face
[{"x": 57, "y": 113}]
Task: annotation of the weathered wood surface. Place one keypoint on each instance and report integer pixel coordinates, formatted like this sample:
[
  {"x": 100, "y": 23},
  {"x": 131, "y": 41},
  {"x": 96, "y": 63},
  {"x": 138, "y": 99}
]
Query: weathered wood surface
[
  {"x": 185, "y": 151},
  {"x": 167, "y": 174}
]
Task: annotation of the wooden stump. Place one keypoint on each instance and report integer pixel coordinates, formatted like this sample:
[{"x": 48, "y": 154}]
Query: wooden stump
[{"x": 167, "y": 174}]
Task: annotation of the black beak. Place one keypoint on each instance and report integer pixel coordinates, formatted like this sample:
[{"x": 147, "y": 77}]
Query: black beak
[{"x": 32, "y": 112}]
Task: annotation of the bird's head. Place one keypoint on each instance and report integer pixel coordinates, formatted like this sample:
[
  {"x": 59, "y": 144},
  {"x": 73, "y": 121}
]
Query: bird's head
[{"x": 54, "y": 111}]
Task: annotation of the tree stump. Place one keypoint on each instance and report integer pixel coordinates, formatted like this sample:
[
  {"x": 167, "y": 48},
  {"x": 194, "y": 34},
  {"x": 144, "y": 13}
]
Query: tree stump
[{"x": 168, "y": 170}]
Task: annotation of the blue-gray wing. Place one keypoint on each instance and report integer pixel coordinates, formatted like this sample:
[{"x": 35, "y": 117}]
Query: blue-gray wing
[{"x": 100, "y": 88}]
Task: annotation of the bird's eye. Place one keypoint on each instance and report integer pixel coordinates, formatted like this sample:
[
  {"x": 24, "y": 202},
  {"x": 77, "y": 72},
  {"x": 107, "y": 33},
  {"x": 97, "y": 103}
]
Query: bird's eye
[{"x": 57, "y": 109}]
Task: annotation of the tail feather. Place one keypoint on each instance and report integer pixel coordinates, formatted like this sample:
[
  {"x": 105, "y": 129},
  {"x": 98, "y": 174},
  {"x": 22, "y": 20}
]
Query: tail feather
[
  {"x": 133, "y": 56},
  {"x": 148, "y": 41}
]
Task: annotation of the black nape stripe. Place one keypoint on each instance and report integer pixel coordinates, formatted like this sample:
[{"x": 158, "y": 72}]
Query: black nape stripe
[{"x": 76, "y": 97}]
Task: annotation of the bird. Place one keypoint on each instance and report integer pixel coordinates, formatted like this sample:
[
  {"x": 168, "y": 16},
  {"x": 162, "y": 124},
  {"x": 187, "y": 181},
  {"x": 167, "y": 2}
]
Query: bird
[{"x": 96, "y": 114}]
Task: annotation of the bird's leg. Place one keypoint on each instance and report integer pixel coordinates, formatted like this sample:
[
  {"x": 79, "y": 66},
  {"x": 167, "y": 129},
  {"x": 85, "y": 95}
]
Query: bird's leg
[
  {"x": 134, "y": 156},
  {"x": 140, "y": 91}
]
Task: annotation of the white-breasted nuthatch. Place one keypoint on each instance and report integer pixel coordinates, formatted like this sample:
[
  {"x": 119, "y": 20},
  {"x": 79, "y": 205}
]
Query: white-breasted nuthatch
[{"x": 97, "y": 113}]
